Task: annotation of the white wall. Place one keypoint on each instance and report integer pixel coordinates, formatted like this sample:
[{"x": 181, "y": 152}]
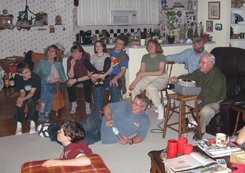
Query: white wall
[
  {"x": 15, "y": 42},
  {"x": 220, "y": 37}
]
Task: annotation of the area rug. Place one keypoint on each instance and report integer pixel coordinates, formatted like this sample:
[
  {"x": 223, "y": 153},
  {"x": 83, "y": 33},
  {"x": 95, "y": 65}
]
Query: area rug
[{"x": 15, "y": 150}]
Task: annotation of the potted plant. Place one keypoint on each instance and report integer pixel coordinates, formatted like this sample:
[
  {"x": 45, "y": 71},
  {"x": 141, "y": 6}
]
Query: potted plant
[{"x": 170, "y": 19}]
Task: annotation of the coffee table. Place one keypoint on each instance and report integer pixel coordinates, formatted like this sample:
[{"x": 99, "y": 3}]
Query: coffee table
[{"x": 157, "y": 166}]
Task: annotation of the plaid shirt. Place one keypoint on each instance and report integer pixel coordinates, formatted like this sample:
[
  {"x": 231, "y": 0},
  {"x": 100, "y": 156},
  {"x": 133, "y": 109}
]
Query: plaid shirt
[{"x": 79, "y": 67}]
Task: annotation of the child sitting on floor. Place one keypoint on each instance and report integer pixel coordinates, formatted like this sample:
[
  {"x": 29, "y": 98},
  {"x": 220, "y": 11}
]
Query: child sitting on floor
[{"x": 75, "y": 152}]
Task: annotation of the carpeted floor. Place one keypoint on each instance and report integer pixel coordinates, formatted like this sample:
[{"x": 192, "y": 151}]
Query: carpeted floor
[{"x": 15, "y": 150}]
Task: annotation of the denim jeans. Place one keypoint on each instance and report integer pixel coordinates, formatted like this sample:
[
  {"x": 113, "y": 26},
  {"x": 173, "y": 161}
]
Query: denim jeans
[
  {"x": 91, "y": 126},
  {"x": 19, "y": 113},
  {"x": 47, "y": 94},
  {"x": 99, "y": 94}
]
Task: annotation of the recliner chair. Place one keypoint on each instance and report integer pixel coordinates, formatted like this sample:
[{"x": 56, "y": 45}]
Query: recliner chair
[{"x": 231, "y": 61}]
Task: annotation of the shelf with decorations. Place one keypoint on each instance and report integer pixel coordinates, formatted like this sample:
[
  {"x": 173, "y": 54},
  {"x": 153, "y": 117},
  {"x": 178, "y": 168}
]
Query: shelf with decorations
[{"x": 178, "y": 19}]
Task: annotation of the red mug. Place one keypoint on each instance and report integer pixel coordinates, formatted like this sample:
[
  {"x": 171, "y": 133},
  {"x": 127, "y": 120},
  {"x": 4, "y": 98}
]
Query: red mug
[
  {"x": 181, "y": 141},
  {"x": 172, "y": 148},
  {"x": 187, "y": 149}
]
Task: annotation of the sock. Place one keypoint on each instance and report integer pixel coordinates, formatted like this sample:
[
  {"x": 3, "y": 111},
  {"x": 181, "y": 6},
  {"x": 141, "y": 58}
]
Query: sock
[
  {"x": 42, "y": 108},
  {"x": 19, "y": 124},
  {"x": 32, "y": 124},
  {"x": 73, "y": 107},
  {"x": 87, "y": 106},
  {"x": 160, "y": 112},
  {"x": 18, "y": 128},
  {"x": 74, "y": 103},
  {"x": 32, "y": 127}
]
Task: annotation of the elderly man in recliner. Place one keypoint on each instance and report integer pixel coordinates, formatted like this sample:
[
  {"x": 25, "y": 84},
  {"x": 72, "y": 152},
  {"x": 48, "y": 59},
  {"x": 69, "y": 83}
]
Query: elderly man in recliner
[{"x": 213, "y": 84}]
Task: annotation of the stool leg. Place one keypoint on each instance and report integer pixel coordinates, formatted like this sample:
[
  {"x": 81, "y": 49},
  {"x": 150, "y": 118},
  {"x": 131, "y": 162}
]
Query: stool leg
[
  {"x": 237, "y": 119},
  {"x": 165, "y": 125},
  {"x": 181, "y": 113},
  {"x": 198, "y": 119}
]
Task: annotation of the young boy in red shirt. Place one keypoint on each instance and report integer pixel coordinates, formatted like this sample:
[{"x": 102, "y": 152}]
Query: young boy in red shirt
[{"x": 75, "y": 152}]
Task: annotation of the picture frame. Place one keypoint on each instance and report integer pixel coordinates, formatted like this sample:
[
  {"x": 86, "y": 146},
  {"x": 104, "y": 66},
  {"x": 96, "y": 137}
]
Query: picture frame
[
  {"x": 209, "y": 26},
  {"x": 218, "y": 27},
  {"x": 214, "y": 10}
]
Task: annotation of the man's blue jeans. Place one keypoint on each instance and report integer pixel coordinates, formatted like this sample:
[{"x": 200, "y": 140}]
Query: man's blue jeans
[
  {"x": 99, "y": 94},
  {"x": 91, "y": 126}
]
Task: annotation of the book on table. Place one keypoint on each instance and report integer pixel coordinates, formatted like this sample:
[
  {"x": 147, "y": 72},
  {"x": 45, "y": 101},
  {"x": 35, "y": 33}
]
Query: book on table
[
  {"x": 214, "y": 151},
  {"x": 193, "y": 163}
]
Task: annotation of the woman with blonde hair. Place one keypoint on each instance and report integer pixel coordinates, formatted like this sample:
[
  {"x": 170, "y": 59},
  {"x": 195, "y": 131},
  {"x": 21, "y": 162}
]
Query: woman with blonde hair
[{"x": 151, "y": 76}]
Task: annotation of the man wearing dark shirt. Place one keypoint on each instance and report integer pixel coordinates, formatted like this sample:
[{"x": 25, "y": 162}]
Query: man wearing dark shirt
[{"x": 213, "y": 84}]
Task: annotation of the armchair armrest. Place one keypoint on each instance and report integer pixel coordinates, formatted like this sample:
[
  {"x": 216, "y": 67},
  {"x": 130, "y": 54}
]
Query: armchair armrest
[{"x": 97, "y": 166}]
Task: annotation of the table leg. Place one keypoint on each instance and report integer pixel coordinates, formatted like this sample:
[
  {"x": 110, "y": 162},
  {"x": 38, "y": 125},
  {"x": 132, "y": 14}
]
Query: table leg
[{"x": 237, "y": 119}]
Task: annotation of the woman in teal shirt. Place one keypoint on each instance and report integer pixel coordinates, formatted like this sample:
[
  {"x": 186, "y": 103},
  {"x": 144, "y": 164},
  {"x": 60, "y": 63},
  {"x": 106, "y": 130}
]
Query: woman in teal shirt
[{"x": 51, "y": 72}]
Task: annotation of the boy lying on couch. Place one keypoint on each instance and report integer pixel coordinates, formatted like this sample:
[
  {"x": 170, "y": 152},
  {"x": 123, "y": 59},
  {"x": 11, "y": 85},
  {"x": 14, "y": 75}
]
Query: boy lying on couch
[{"x": 75, "y": 152}]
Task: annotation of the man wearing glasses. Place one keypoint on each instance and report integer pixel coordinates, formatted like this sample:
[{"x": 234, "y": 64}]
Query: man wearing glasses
[
  {"x": 213, "y": 84},
  {"x": 126, "y": 118}
]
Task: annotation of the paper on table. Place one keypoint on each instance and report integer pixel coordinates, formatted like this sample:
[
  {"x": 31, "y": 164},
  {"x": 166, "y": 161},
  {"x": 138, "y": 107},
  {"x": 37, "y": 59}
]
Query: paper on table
[{"x": 186, "y": 162}]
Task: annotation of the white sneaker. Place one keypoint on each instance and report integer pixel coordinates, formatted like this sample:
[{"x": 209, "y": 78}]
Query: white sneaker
[
  {"x": 87, "y": 106},
  {"x": 18, "y": 129},
  {"x": 32, "y": 130},
  {"x": 192, "y": 121},
  {"x": 73, "y": 107},
  {"x": 160, "y": 112},
  {"x": 32, "y": 127}
]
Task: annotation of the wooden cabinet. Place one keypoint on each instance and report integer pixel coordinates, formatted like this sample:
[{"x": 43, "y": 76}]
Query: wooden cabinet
[{"x": 98, "y": 12}]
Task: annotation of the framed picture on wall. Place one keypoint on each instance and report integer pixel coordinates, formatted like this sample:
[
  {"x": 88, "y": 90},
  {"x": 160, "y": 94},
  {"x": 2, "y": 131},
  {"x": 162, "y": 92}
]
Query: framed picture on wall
[
  {"x": 214, "y": 10},
  {"x": 209, "y": 26}
]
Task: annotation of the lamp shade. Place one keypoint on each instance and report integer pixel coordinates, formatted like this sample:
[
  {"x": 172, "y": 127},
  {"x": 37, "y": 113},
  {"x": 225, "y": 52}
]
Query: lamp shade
[
  {"x": 38, "y": 23},
  {"x": 23, "y": 24}
]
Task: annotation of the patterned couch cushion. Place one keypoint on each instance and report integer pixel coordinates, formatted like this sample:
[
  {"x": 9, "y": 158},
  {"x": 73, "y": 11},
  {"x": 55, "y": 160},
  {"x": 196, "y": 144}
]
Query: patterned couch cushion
[{"x": 97, "y": 166}]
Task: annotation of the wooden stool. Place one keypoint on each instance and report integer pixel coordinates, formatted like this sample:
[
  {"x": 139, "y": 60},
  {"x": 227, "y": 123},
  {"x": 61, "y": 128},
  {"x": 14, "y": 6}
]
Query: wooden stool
[
  {"x": 181, "y": 110},
  {"x": 240, "y": 111}
]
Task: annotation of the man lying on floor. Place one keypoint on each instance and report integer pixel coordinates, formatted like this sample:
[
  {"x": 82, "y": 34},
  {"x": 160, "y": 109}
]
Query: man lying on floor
[{"x": 122, "y": 122}]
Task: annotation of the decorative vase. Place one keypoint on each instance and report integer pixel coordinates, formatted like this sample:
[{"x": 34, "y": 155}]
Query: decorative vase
[{"x": 171, "y": 39}]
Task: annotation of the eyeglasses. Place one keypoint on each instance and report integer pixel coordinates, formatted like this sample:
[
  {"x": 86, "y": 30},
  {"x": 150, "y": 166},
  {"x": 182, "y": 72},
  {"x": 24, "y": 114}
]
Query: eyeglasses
[{"x": 202, "y": 62}]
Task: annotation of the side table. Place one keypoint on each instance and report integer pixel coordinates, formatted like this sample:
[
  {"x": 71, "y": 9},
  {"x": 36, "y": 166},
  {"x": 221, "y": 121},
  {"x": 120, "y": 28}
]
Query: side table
[{"x": 157, "y": 165}]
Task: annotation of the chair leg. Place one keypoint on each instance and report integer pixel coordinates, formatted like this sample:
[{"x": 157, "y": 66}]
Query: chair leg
[
  {"x": 181, "y": 113},
  {"x": 165, "y": 126}
]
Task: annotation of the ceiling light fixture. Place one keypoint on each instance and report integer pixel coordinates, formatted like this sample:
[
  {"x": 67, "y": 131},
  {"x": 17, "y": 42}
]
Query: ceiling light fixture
[{"x": 23, "y": 22}]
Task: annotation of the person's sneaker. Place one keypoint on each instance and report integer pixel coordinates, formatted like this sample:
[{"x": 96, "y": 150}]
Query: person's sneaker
[
  {"x": 32, "y": 130},
  {"x": 32, "y": 127},
  {"x": 87, "y": 108},
  {"x": 73, "y": 107},
  {"x": 18, "y": 129}
]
